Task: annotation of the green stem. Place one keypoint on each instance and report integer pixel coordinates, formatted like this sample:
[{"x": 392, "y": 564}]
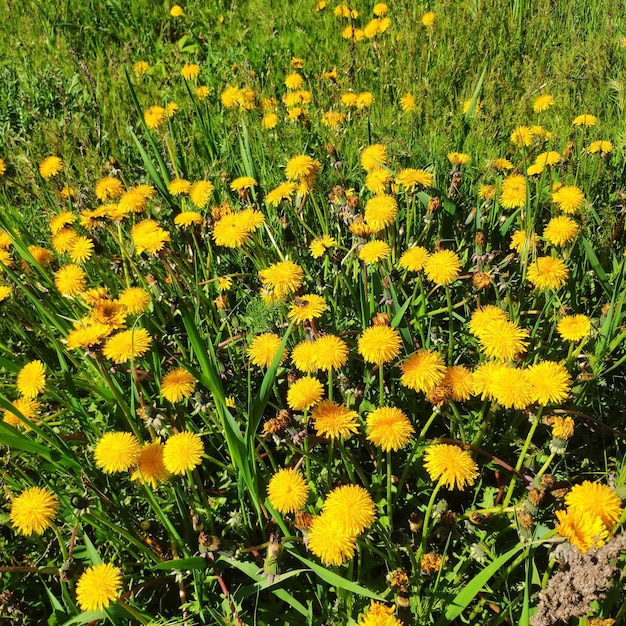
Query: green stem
[
  {"x": 129, "y": 609},
  {"x": 431, "y": 419},
  {"x": 450, "y": 327},
  {"x": 389, "y": 484},
  {"x": 330, "y": 383},
  {"x": 429, "y": 509},
  {"x": 381, "y": 385},
  {"x": 545, "y": 466}
]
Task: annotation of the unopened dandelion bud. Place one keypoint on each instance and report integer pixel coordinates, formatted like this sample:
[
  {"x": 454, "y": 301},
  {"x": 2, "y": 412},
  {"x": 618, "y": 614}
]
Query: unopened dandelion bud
[
  {"x": 480, "y": 239},
  {"x": 381, "y": 319},
  {"x": 434, "y": 204}
]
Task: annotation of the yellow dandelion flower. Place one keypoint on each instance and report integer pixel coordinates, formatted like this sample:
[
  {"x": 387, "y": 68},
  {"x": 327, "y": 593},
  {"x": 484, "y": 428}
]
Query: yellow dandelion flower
[
  {"x": 574, "y": 327},
  {"x": 349, "y": 99},
  {"x": 50, "y": 167},
  {"x": 560, "y": 230},
  {"x": 70, "y": 280},
  {"x": 547, "y": 273},
  {"x": 179, "y": 186},
  {"x": 329, "y": 541},
  {"x": 522, "y": 136},
  {"x": 200, "y": 192},
  {"x": 451, "y": 465},
  {"x": 581, "y": 528},
  {"x": 509, "y": 387},
  {"x": 149, "y": 237},
  {"x": 150, "y": 466},
  {"x": 301, "y": 166},
  {"x": 502, "y": 165},
  {"x": 542, "y": 103},
  {"x": 5, "y": 292},
  {"x": 547, "y": 158},
  {"x": 33, "y": 511},
  {"x": 602, "y": 146},
  {"x": 414, "y": 259},
  {"x": 264, "y": 349},
  {"x": 269, "y": 120},
  {"x": 171, "y": 109},
  {"x": 127, "y": 345},
  {"x": 550, "y": 382},
  {"x": 190, "y": 71},
  {"x": 116, "y": 452},
  {"x": 519, "y": 241},
  {"x": 458, "y": 158},
  {"x": 188, "y": 218},
  {"x": 31, "y": 379},
  {"x": 232, "y": 230},
  {"x": 303, "y": 357},
  {"x": 284, "y": 191},
  {"x": 86, "y": 336},
  {"x": 294, "y": 81},
  {"x": 501, "y": 339},
  {"x": 202, "y": 92},
  {"x": 109, "y": 188},
  {"x": 389, "y": 428},
  {"x": 306, "y": 308},
  {"x": 411, "y": 178},
  {"x": 28, "y": 408},
  {"x": 378, "y": 615},
  {"x": 177, "y": 385},
  {"x": 319, "y": 245},
  {"x": 182, "y": 452},
  {"x": 379, "y": 344},
  {"x": 134, "y": 299},
  {"x": 352, "y": 506},
  {"x": 374, "y": 251},
  {"x": 154, "y": 116},
  {"x": 3, "y": 167},
  {"x": 304, "y": 393},
  {"x": 81, "y": 249},
  {"x": 407, "y": 102},
  {"x": 597, "y": 499},
  {"x": 585, "y": 120},
  {"x": 443, "y": 267},
  {"x": 428, "y": 19},
  {"x": 98, "y": 586},
  {"x": 378, "y": 180},
  {"x": 468, "y": 103},
  {"x": 332, "y": 420},
  {"x": 287, "y": 491},
  {"x": 513, "y": 194},
  {"x": 330, "y": 352},
  {"x": 563, "y": 427},
  {"x": 461, "y": 380},
  {"x": 140, "y": 68},
  {"x": 60, "y": 221},
  {"x": 373, "y": 156},
  {"x": 568, "y": 198},
  {"x": 381, "y": 210},
  {"x": 243, "y": 182},
  {"x": 282, "y": 278},
  {"x": 423, "y": 370},
  {"x": 176, "y": 11}
]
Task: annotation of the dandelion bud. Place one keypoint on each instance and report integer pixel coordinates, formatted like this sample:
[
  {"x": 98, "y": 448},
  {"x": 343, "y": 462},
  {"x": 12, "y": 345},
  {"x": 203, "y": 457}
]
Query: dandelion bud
[
  {"x": 481, "y": 280},
  {"x": 480, "y": 239},
  {"x": 381, "y": 319},
  {"x": 430, "y": 563},
  {"x": 434, "y": 204}
]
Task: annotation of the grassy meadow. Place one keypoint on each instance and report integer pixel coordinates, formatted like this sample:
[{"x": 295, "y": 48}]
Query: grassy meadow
[{"x": 312, "y": 313}]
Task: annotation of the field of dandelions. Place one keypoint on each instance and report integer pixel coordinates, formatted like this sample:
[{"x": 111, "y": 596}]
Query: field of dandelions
[{"x": 313, "y": 314}]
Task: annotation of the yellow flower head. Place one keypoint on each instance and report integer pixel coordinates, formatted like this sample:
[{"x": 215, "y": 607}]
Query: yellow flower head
[
  {"x": 98, "y": 586},
  {"x": 134, "y": 299},
  {"x": 303, "y": 357},
  {"x": 542, "y": 103},
  {"x": 597, "y": 499},
  {"x": 319, "y": 245},
  {"x": 522, "y": 136},
  {"x": 374, "y": 251},
  {"x": 330, "y": 352},
  {"x": 389, "y": 428},
  {"x": 109, "y": 188},
  {"x": 200, "y": 192},
  {"x": 50, "y": 167},
  {"x": 304, "y": 393},
  {"x": 450, "y": 464},
  {"x": 581, "y": 528},
  {"x": 411, "y": 178},
  {"x": 550, "y": 382},
  {"x": 547, "y": 272},
  {"x": 306, "y": 308},
  {"x": 352, "y": 506},
  {"x": 149, "y": 237},
  {"x": 381, "y": 210},
  {"x": 140, "y": 68},
  {"x": 428, "y": 19},
  {"x": 379, "y": 344},
  {"x": 282, "y": 278},
  {"x": 458, "y": 158},
  {"x": 373, "y": 156},
  {"x": 177, "y": 384},
  {"x": 329, "y": 541},
  {"x": 407, "y": 103},
  {"x": 333, "y": 420},
  {"x": 31, "y": 380},
  {"x": 284, "y": 191},
  {"x": 563, "y": 427},
  {"x": 190, "y": 71},
  {"x": 414, "y": 259},
  {"x": 127, "y": 345},
  {"x": 154, "y": 116},
  {"x": 443, "y": 267},
  {"x": 179, "y": 186},
  {"x": 423, "y": 370},
  {"x": 513, "y": 192},
  {"x": 116, "y": 452},
  {"x": 182, "y": 452},
  {"x": 264, "y": 349},
  {"x": 568, "y": 198},
  {"x": 560, "y": 230},
  {"x": 460, "y": 379},
  {"x": 378, "y": 615},
  {"x": 574, "y": 327},
  {"x": 176, "y": 10},
  {"x": 287, "y": 491},
  {"x": 301, "y": 166},
  {"x": 70, "y": 280},
  {"x": 585, "y": 120},
  {"x": 33, "y": 511},
  {"x": 150, "y": 466},
  {"x": 501, "y": 339},
  {"x": 602, "y": 146}
]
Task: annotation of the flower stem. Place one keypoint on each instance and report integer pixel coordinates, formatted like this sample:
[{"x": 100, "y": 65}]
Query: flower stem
[
  {"x": 389, "y": 484},
  {"x": 425, "y": 528},
  {"x": 450, "y": 327},
  {"x": 381, "y": 385}
]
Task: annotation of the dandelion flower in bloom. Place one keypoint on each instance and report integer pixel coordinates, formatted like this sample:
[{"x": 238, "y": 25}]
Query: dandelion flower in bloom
[
  {"x": 513, "y": 192},
  {"x": 563, "y": 427},
  {"x": 522, "y": 136},
  {"x": 389, "y": 428},
  {"x": 127, "y": 345},
  {"x": 134, "y": 299},
  {"x": 374, "y": 251},
  {"x": 31, "y": 380},
  {"x": 542, "y": 103},
  {"x": 458, "y": 158},
  {"x": 28, "y": 408},
  {"x": 269, "y": 121},
  {"x": 64, "y": 240},
  {"x": 264, "y": 348},
  {"x": 109, "y": 188},
  {"x": 352, "y": 506},
  {"x": 116, "y": 452},
  {"x": 319, "y": 245},
  {"x": 149, "y": 237},
  {"x": 423, "y": 370},
  {"x": 460, "y": 379},
  {"x": 154, "y": 116},
  {"x": 597, "y": 499},
  {"x": 509, "y": 387},
  {"x": 187, "y": 218},
  {"x": 519, "y": 241},
  {"x": 70, "y": 280},
  {"x": 307, "y": 308},
  {"x": 560, "y": 230},
  {"x": 177, "y": 385},
  {"x": 303, "y": 357},
  {"x": 380, "y": 211},
  {"x": 602, "y": 146},
  {"x": 574, "y": 327},
  {"x": 150, "y": 466},
  {"x": 98, "y": 586},
  {"x": 330, "y": 352},
  {"x": 501, "y": 339},
  {"x": 407, "y": 102},
  {"x": 301, "y": 166},
  {"x": 282, "y": 278},
  {"x": 3, "y": 167},
  {"x": 443, "y": 267},
  {"x": 568, "y": 198},
  {"x": 329, "y": 541},
  {"x": 140, "y": 68},
  {"x": 333, "y": 420},
  {"x": 231, "y": 230},
  {"x": 377, "y": 181},
  {"x": 304, "y": 393},
  {"x": 287, "y": 491},
  {"x": 190, "y": 71},
  {"x": 378, "y": 615},
  {"x": 373, "y": 156},
  {"x": 450, "y": 464},
  {"x": 502, "y": 165},
  {"x": 581, "y": 528},
  {"x": 50, "y": 167},
  {"x": 468, "y": 103},
  {"x": 200, "y": 192},
  {"x": 547, "y": 273},
  {"x": 428, "y": 19},
  {"x": 585, "y": 120},
  {"x": 176, "y": 10},
  {"x": 379, "y": 344},
  {"x": 33, "y": 511},
  {"x": 202, "y": 92},
  {"x": 284, "y": 191},
  {"x": 414, "y": 259},
  {"x": 179, "y": 186},
  {"x": 550, "y": 382},
  {"x": 5, "y": 292},
  {"x": 61, "y": 220},
  {"x": 411, "y": 178},
  {"x": 182, "y": 452},
  {"x": 81, "y": 249},
  {"x": 294, "y": 81}
]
